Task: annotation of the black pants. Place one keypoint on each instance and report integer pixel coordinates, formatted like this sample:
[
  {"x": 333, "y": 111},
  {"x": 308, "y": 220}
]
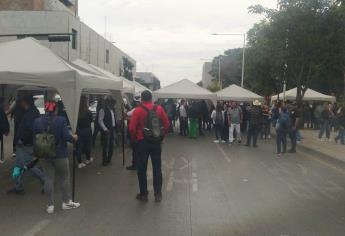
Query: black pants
[
  {"x": 84, "y": 143},
  {"x": 108, "y": 146},
  {"x": 95, "y": 133},
  {"x": 252, "y": 134},
  {"x": 183, "y": 126},
  {"x": 293, "y": 138},
  {"x": 134, "y": 154},
  {"x": 154, "y": 150}
]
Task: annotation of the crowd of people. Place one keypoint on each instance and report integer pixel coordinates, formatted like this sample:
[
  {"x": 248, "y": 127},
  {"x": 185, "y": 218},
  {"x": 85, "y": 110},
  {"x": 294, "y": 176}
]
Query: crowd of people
[{"x": 40, "y": 141}]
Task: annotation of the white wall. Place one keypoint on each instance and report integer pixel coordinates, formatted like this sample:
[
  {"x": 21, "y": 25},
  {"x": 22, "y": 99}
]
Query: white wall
[{"x": 91, "y": 46}]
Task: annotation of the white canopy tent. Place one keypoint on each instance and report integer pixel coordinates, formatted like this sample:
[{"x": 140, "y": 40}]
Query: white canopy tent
[
  {"x": 310, "y": 95},
  {"x": 238, "y": 94},
  {"x": 27, "y": 63},
  {"x": 128, "y": 87},
  {"x": 184, "y": 89}
]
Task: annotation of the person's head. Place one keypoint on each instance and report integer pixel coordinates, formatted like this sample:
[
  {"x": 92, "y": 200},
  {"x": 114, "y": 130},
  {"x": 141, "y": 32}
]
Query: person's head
[
  {"x": 84, "y": 105},
  {"x": 257, "y": 103},
  {"x": 219, "y": 107},
  {"x": 282, "y": 109},
  {"x": 146, "y": 96},
  {"x": 51, "y": 108},
  {"x": 183, "y": 102},
  {"x": 233, "y": 104},
  {"x": 27, "y": 102}
]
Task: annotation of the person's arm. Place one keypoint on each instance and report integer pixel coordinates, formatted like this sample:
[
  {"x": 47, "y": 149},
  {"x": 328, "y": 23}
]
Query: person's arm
[
  {"x": 66, "y": 134},
  {"x": 134, "y": 124},
  {"x": 213, "y": 115},
  {"x": 164, "y": 119},
  {"x": 100, "y": 120}
]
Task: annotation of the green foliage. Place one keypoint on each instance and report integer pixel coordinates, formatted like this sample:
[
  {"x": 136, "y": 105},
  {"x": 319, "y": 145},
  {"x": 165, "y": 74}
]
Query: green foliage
[
  {"x": 127, "y": 68},
  {"x": 303, "y": 43},
  {"x": 214, "y": 86}
]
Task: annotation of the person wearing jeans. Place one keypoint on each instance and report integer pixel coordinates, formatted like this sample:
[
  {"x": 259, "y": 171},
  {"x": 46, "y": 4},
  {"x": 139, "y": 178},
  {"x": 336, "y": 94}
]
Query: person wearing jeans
[
  {"x": 325, "y": 123},
  {"x": 25, "y": 143},
  {"x": 282, "y": 126},
  {"x": 235, "y": 120},
  {"x": 58, "y": 165},
  {"x": 146, "y": 148}
]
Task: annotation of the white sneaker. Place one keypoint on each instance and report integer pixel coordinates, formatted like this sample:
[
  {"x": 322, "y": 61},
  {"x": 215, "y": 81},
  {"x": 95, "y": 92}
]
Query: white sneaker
[
  {"x": 269, "y": 136},
  {"x": 88, "y": 162},
  {"x": 70, "y": 205},
  {"x": 50, "y": 209},
  {"x": 223, "y": 141},
  {"x": 2, "y": 162},
  {"x": 81, "y": 165},
  {"x": 216, "y": 141},
  {"x": 13, "y": 155}
]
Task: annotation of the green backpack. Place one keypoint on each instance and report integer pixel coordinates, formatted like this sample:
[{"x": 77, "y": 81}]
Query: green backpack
[{"x": 45, "y": 145}]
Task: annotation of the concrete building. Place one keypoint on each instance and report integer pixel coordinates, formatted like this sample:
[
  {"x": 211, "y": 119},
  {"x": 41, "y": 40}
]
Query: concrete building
[
  {"x": 19, "y": 17},
  {"x": 148, "y": 79},
  {"x": 206, "y": 77}
]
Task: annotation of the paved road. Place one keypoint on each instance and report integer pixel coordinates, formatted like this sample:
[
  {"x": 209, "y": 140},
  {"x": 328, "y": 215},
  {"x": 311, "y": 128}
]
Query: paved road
[{"x": 209, "y": 189}]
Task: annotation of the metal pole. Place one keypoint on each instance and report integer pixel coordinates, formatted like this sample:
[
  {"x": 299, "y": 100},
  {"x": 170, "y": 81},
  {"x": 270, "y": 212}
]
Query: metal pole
[
  {"x": 243, "y": 59},
  {"x": 2, "y": 149},
  {"x": 284, "y": 91},
  {"x": 74, "y": 172},
  {"x": 123, "y": 136},
  {"x": 219, "y": 68}
]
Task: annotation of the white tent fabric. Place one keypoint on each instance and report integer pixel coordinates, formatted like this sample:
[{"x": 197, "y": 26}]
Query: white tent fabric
[
  {"x": 128, "y": 86},
  {"x": 238, "y": 94},
  {"x": 27, "y": 63},
  {"x": 184, "y": 89},
  {"x": 139, "y": 88},
  {"x": 310, "y": 95}
]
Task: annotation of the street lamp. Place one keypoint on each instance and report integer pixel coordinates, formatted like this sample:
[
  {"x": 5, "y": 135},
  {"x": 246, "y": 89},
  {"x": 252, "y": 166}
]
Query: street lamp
[
  {"x": 219, "y": 68},
  {"x": 244, "y": 48}
]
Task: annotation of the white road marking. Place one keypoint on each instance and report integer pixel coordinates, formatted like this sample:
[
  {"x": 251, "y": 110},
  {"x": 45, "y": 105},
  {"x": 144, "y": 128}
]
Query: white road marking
[
  {"x": 226, "y": 157},
  {"x": 170, "y": 183},
  {"x": 37, "y": 228}
]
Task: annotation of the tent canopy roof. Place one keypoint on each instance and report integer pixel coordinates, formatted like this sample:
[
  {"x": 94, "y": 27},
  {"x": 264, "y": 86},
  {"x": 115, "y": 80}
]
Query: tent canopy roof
[
  {"x": 237, "y": 93},
  {"x": 184, "y": 89},
  {"x": 310, "y": 95},
  {"x": 28, "y": 63}
]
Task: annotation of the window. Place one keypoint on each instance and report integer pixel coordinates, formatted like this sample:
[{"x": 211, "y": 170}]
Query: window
[
  {"x": 74, "y": 39},
  {"x": 107, "y": 56}
]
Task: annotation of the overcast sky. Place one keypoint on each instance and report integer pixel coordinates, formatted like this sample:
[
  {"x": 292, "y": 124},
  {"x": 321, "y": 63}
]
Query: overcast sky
[{"x": 169, "y": 37}]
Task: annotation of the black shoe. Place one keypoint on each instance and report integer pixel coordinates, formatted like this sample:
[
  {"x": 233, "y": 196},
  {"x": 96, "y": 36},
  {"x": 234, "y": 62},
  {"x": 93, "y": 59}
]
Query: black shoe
[
  {"x": 158, "y": 197},
  {"x": 247, "y": 145},
  {"x": 292, "y": 151},
  {"x": 15, "y": 191},
  {"x": 131, "y": 167},
  {"x": 239, "y": 141},
  {"x": 142, "y": 198}
]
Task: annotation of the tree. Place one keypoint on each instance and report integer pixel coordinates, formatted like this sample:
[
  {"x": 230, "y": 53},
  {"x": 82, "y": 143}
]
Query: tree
[{"x": 127, "y": 68}]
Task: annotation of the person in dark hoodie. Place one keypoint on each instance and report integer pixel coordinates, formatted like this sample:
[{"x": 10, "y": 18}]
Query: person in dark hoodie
[
  {"x": 4, "y": 126},
  {"x": 24, "y": 142}
]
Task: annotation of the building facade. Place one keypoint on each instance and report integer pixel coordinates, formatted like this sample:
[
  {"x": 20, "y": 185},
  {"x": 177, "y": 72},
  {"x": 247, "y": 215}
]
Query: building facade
[
  {"x": 206, "y": 77},
  {"x": 57, "y": 17},
  {"x": 148, "y": 79}
]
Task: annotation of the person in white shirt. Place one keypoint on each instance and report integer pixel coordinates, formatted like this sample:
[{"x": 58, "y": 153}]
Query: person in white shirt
[
  {"x": 183, "y": 118},
  {"x": 107, "y": 124}
]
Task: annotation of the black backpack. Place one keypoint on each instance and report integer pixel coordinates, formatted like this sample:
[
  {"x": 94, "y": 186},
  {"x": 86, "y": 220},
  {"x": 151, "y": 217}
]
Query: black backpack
[{"x": 153, "y": 130}]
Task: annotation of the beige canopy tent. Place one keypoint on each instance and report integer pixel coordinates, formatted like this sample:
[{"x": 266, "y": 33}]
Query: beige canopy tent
[
  {"x": 238, "y": 94},
  {"x": 184, "y": 89},
  {"x": 310, "y": 95},
  {"x": 27, "y": 63}
]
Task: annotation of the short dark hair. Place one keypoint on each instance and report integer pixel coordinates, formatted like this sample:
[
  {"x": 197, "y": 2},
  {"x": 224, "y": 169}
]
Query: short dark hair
[
  {"x": 29, "y": 100},
  {"x": 146, "y": 96}
]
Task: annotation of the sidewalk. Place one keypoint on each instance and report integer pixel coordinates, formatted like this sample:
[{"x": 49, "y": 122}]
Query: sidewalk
[{"x": 311, "y": 143}]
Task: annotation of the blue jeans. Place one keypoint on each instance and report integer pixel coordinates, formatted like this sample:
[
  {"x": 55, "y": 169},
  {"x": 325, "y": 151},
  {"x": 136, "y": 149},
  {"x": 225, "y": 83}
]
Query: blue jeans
[
  {"x": 325, "y": 127},
  {"x": 281, "y": 141},
  {"x": 23, "y": 158}
]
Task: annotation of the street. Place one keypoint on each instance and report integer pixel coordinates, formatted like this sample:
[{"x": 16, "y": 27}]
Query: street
[{"x": 209, "y": 189}]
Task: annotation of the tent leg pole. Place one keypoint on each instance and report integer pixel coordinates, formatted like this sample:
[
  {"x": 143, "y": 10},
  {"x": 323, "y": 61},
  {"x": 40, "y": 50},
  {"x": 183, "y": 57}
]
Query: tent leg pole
[
  {"x": 123, "y": 137},
  {"x": 74, "y": 172}
]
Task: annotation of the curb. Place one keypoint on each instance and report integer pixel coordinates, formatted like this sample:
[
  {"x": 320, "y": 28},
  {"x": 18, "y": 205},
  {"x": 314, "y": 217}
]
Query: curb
[{"x": 329, "y": 158}]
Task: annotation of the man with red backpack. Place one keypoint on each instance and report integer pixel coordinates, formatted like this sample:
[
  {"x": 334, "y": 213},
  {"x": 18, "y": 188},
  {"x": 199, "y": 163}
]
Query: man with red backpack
[{"x": 149, "y": 124}]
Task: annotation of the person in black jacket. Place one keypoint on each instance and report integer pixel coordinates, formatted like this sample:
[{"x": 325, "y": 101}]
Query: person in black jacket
[
  {"x": 255, "y": 120},
  {"x": 24, "y": 142},
  {"x": 4, "y": 126},
  {"x": 84, "y": 133},
  {"x": 107, "y": 123}
]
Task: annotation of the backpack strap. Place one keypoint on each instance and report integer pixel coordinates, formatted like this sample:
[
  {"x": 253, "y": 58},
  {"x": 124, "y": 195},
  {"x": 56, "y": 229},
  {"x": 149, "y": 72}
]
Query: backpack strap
[{"x": 145, "y": 108}]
